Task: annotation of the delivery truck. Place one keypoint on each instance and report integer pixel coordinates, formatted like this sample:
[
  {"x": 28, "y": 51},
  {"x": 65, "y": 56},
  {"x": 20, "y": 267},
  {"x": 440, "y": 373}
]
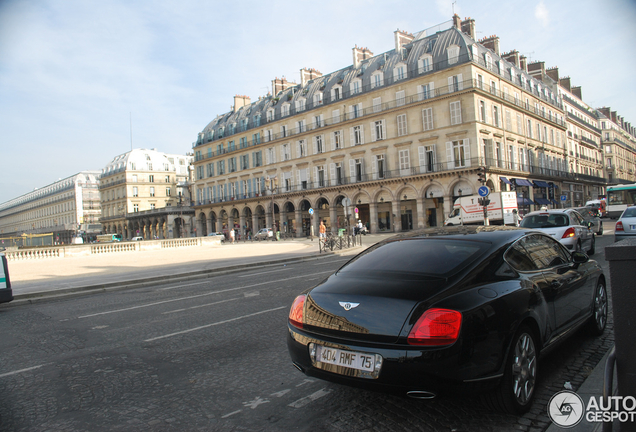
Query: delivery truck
[{"x": 502, "y": 210}]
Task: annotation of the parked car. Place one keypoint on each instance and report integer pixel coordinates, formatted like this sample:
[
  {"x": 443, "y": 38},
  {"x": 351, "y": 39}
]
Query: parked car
[
  {"x": 6, "y": 293},
  {"x": 626, "y": 224},
  {"x": 592, "y": 215},
  {"x": 138, "y": 238},
  {"x": 218, "y": 234},
  {"x": 567, "y": 226},
  {"x": 451, "y": 309},
  {"x": 264, "y": 234}
]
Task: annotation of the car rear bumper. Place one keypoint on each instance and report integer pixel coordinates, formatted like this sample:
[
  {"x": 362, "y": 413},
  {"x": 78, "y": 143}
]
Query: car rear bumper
[{"x": 623, "y": 236}]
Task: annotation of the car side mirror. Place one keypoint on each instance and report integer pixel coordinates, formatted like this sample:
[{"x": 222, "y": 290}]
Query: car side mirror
[{"x": 579, "y": 257}]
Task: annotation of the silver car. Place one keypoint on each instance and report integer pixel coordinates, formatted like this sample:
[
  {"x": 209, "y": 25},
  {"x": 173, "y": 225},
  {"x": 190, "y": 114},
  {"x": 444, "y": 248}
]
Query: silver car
[
  {"x": 567, "y": 226},
  {"x": 626, "y": 225},
  {"x": 591, "y": 215}
]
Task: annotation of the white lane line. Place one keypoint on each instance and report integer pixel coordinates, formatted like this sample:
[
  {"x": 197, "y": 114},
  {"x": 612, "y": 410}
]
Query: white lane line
[
  {"x": 331, "y": 262},
  {"x": 213, "y": 324},
  {"x": 231, "y": 414},
  {"x": 200, "y": 295},
  {"x": 256, "y": 274},
  {"x": 308, "y": 399},
  {"x": 183, "y": 285},
  {"x": 21, "y": 370},
  {"x": 202, "y": 305}
]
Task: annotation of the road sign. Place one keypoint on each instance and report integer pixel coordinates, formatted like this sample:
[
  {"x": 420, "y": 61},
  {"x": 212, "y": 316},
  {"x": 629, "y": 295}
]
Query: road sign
[
  {"x": 484, "y": 191},
  {"x": 311, "y": 211},
  {"x": 356, "y": 210},
  {"x": 564, "y": 197}
]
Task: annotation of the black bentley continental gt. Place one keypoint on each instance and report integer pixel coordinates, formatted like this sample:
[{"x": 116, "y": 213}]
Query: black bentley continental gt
[{"x": 449, "y": 309}]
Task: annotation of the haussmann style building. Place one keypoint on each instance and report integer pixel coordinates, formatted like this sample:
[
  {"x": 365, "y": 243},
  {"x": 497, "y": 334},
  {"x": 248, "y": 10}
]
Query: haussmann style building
[{"x": 396, "y": 138}]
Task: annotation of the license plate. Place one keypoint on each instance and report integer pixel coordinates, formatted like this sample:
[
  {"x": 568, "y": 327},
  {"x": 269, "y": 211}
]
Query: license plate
[
  {"x": 632, "y": 227},
  {"x": 350, "y": 359}
]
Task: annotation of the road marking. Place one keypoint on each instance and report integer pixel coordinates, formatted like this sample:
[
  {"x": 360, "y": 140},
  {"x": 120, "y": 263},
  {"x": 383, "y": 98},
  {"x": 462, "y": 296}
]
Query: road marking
[
  {"x": 231, "y": 414},
  {"x": 200, "y": 306},
  {"x": 256, "y": 402},
  {"x": 255, "y": 274},
  {"x": 308, "y": 399},
  {"x": 331, "y": 262},
  {"x": 305, "y": 381},
  {"x": 213, "y": 324},
  {"x": 281, "y": 393},
  {"x": 21, "y": 370},
  {"x": 199, "y": 295}
]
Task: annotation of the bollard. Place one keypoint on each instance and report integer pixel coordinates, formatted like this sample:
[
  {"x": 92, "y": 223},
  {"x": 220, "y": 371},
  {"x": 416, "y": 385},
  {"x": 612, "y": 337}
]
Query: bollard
[{"x": 622, "y": 263}]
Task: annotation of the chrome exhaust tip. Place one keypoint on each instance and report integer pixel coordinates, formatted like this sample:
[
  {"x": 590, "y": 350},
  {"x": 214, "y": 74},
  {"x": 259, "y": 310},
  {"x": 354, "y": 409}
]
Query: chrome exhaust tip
[{"x": 421, "y": 394}]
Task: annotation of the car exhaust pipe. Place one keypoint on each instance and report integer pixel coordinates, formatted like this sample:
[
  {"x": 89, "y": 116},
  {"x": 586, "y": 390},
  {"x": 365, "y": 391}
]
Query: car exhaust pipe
[{"x": 421, "y": 394}]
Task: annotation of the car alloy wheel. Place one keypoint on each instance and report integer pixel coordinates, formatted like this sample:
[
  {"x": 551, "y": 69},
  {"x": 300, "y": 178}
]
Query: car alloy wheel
[
  {"x": 599, "y": 317},
  {"x": 524, "y": 369}
]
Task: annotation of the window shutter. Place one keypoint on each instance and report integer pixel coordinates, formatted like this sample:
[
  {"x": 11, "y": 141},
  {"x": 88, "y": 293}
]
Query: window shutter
[
  {"x": 298, "y": 180},
  {"x": 460, "y": 82},
  {"x": 333, "y": 141},
  {"x": 352, "y": 136},
  {"x": 450, "y": 161},
  {"x": 361, "y": 134},
  {"x": 315, "y": 145},
  {"x": 316, "y": 178},
  {"x": 466, "y": 145},
  {"x": 332, "y": 173},
  {"x": 374, "y": 168},
  {"x": 373, "y": 135},
  {"x": 421, "y": 152},
  {"x": 352, "y": 170},
  {"x": 450, "y": 84}
]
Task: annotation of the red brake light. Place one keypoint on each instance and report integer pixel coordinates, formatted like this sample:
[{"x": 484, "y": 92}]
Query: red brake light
[
  {"x": 296, "y": 311},
  {"x": 569, "y": 233},
  {"x": 436, "y": 327},
  {"x": 619, "y": 226}
]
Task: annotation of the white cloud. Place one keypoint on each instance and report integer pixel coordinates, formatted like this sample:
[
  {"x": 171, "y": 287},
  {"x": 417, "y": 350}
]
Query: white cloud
[{"x": 542, "y": 14}]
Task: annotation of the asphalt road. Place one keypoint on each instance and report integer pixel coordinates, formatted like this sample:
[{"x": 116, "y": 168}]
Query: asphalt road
[{"x": 211, "y": 355}]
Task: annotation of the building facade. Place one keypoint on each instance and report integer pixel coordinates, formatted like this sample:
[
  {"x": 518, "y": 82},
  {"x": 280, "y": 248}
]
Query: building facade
[
  {"x": 619, "y": 145},
  {"x": 393, "y": 139},
  {"x": 146, "y": 193},
  {"x": 54, "y": 214}
]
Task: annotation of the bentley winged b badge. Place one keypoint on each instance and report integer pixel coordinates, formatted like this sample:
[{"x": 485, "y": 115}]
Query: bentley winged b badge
[{"x": 348, "y": 305}]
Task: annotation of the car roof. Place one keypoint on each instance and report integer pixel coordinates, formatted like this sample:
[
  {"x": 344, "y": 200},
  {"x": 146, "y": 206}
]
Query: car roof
[{"x": 550, "y": 211}]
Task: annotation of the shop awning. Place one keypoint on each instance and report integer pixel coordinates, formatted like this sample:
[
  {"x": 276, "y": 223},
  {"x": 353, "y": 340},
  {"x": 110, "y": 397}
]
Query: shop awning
[
  {"x": 555, "y": 202},
  {"x": 523, "y": 182},
  {"x": 542, "y": 201},
  {"x": 540, "y": 183},
  {"x": 523, "y": 201},
  {"x": 505, "y": 180}
]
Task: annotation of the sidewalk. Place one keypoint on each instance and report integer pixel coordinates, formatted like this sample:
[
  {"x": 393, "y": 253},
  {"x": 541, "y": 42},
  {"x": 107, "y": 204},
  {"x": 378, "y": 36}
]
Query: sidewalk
[{"x": 33, "y": 280}]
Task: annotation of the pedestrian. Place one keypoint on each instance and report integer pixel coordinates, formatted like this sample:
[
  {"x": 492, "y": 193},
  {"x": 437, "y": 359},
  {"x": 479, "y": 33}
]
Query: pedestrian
[
  {"x": 323, "y": 229},
  {"x": 515, "y": 217}
]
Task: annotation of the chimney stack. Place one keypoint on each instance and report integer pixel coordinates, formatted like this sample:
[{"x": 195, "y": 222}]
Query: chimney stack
[
  {"x": 240, "y": 101},
  {"x": 566, "y": 83},
  {"x": 468, "y": 27},
  {"x": 307, "y": 75},
  {"x": 402, "y": 38},
  {"x": 512, "y": 57},
  {"x": 492, "y": 43},
  {"x": 280, "y": 85},
  {"x": 523, "y": 63},
  {"x": 359, "y": 55},
  {"x": 457, "y": 22},
  {"x": 553, "y": 73},
  {"x": 576, "y": 91}
]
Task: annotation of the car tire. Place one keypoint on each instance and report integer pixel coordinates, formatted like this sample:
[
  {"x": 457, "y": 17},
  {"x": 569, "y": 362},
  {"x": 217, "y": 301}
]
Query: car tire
[
  {"x": 592, "y": 249},
  {"x": 598, "y": 320},
  {"x": 578, "y": 247},
  {"x": 517, "y": 387}
]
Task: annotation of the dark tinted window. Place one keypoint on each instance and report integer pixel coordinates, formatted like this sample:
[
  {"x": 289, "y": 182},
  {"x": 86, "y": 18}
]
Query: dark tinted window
[
  {"x": 519, "y": 259},
  {"x": 426, "y": 256},
  {"x": 545, "y": 220}
]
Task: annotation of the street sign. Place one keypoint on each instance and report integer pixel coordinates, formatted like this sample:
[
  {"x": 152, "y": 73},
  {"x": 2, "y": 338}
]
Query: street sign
[
  {"x": 484, "y": 191},
  {"x": 356, "y": 210},
  {"x": 564, "y": 197},
  {"x": 311, "y": 211}
]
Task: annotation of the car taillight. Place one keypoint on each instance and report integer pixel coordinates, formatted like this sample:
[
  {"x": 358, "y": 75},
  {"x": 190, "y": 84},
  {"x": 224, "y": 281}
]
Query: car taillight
[
  {"x": 569, "y": 233},
  {"x": 436, "y": 327},
  {"x": 619, "y": 226},
  {"x": 296, "y": 311}
]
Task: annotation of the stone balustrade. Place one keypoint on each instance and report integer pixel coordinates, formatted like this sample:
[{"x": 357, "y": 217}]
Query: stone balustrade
[{"x": 66, "y": 251}]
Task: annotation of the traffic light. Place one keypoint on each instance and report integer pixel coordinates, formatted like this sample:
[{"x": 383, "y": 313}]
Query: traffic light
[{"x": 481, "y": 175}]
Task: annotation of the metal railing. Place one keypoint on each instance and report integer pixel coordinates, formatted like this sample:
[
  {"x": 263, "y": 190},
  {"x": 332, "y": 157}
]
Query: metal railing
[{"x": 334, "y": 242}]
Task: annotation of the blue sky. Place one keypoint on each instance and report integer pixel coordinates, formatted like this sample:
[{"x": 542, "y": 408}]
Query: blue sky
[{"x": 73, "y": 73}]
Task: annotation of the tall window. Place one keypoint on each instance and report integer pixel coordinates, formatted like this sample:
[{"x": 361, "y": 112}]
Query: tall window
[
  {"x": 427, "y": 119},
  {"x": 337, "y": 140},
  {"x": 456, "y": 112},
  {"x": 495, "y": 115},
  {"x": 378, "y": 130},
  {"x": 377, "y": 79},
  {"x": 400, "y": 98},
  {"x": 286, "y": 154},
  {"x": 339, "y": 173},
  {"x": 357, "y": 136},
  {"x": 301, "y": 149},
  {"x": 425, "y": 91},
  {"x": 424, "y": 64},
  {"x": 356, "y": 87},
  {"x": 321, "y": 175},
  {"x": 319, "y": 145},
  {"x": 284, "y": 110},
  {"x": 427, "y": 158},
  {"x": 379, "y": 167},
  {"x": 271, "y": 155},
  {"x": 483, "y": 115},
  {"x": 377, "y": 105},
  {"x": 300, "y": 126},
  {"x": 401, "y": 125},
  {"x": 135, "y": 191},
  {"x": 399, "y": 72},
  {"x": 405, "y": 162},
  {"x": 458, "y": 154},
  {"x": 453, "y": 54}
]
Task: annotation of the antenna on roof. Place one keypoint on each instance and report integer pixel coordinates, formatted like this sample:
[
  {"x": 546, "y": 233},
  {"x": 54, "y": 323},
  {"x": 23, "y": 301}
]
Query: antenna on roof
[{"x": 453, "y": 5}]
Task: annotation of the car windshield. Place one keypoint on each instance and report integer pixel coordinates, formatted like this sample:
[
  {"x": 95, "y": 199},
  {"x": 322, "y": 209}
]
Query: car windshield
[
  {"x": 545, "y": 220},
  {"x": 629, "y": 212},
  {"x": 432, "y": 257}
]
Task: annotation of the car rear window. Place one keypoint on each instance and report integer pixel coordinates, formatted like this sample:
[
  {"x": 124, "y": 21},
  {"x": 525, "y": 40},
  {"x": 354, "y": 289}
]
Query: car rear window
[
  {"x": 630, "y": 212},
  {"x": 551, "y": 220},
  {"x": 435, "y": 257}
]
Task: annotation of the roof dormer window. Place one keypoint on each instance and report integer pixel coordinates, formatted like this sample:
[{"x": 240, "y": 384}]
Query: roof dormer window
[
  {"x": 399, "y": 72},
  {"x": 377, "y": 79},
  {"x": 356, "y": 86},
  {"x": 452, "y": 53},
  {"x": 425, "y": 64}
]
